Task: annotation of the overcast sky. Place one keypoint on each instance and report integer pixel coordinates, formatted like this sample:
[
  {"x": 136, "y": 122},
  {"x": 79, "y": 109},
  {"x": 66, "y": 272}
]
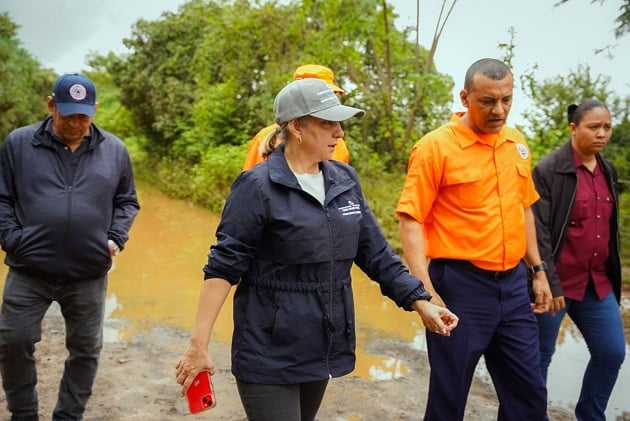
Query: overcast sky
[{"x": 60, "y": 34}]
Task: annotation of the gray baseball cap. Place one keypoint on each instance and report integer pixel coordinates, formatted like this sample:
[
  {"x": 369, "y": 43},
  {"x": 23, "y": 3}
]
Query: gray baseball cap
[{"x": 311, "y": 97}]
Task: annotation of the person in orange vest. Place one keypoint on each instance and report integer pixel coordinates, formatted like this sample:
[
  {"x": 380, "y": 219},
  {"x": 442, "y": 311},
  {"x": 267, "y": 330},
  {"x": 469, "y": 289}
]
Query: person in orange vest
[{"x": 257, "y": 150}]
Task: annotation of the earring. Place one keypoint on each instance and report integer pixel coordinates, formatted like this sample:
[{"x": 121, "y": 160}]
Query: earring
[{"x": 299, "y": 140}]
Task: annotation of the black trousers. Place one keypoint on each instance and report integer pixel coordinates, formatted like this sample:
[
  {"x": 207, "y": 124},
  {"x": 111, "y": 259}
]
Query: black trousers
[
  {"x": 286, "y": 402},
  {"x": 25, "y": 301}
]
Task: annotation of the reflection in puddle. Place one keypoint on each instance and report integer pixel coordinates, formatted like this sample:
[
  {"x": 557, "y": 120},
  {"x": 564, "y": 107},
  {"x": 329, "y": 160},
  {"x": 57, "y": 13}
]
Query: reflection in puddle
[
  {"x": 110, "y": 332},
  {"x": 567, "y": 368},
  {"x": 157, "y": 278},
  {"x": 377, "y": 367},
  {"x": 388, "y": 369},
  {"x": 419, "y": 341}
]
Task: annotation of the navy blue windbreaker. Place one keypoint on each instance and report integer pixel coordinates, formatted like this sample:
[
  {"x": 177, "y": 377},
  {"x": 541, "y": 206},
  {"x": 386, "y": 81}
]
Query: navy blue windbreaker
[
  {"x": 293, "y": 307},
  {"x": 58, "y": 228}
]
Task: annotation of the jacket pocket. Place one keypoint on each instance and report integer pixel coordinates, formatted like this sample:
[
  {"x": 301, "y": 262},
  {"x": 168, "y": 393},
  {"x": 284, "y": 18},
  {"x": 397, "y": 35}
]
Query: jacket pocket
[
  {"x": 298, "y": 333},
  {"x": 10, "y": 245}
]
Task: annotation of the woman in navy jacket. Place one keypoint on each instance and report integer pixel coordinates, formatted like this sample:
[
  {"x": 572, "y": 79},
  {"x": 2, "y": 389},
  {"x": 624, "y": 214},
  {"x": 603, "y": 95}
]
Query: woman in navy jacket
[{"x": 290, "y": 231}]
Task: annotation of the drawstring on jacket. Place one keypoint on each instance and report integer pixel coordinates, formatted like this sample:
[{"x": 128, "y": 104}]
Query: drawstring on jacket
[{"x": 329, "y": 322}]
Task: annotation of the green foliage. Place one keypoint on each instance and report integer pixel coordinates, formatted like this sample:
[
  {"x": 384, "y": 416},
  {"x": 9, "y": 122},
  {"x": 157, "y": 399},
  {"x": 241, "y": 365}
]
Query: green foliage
[
  {"x": 170, "y": 175},
  {"x": 212, "y": 125},
  {"x": 618, "y": 152},
  {"x": 158, "y": 80},
  {"x": 382, "y": 191},
  {"x": 111, "y": 115},
  {"x": 624, "y": 227},
  {"x": 548, "y": 127},
  {"x": 24, "y": 85},
  {"x": 207, "y": 75},
  {"x": 206, "y": 184},
  {"x": 214, "y": 175}
]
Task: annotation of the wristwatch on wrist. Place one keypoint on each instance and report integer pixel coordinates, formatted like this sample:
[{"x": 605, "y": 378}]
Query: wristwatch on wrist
[
  {"x": 538, "y": 268},
  {"x": 114, "y": 247}
]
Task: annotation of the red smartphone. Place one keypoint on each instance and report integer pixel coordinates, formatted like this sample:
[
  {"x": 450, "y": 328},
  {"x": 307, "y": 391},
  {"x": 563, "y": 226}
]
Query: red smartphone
[{"x": 200, "y": 394}]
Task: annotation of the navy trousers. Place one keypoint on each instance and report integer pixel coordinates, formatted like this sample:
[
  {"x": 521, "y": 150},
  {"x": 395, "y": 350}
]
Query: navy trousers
[
  {"x": 495, "y": 321},
  {"x": 25, "y": 302}
]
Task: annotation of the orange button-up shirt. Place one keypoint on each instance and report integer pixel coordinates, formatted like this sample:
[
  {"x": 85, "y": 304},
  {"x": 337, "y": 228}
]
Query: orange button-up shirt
[
  {"x": 254, "y": 155},
  {"x": 469, "y": 191}
]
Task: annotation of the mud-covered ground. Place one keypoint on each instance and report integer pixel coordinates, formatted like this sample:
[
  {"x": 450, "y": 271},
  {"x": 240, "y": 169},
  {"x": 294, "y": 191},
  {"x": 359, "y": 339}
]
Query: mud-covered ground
[{"x": 136, "y": 382}]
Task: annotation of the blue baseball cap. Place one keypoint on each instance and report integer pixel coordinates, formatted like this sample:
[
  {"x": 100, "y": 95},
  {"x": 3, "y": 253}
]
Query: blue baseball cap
[{"x": 74, "y": 94}]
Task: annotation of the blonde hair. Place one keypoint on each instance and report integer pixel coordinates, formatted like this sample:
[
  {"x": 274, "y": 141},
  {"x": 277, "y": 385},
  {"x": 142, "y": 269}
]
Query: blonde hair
[
  {"x": 279, "y": 136},
  {"x": 273, "y": 140}
]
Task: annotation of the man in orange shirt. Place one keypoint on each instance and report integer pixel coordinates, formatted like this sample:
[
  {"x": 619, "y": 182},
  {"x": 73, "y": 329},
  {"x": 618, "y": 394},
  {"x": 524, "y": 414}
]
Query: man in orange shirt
[
  {"x": 257, "y": 150},
  {"x": 466, "y": 206}
]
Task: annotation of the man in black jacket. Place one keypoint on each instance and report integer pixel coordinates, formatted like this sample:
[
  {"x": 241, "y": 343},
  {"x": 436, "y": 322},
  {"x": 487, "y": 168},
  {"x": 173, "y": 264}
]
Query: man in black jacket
[{"x": 67, "y": 202}]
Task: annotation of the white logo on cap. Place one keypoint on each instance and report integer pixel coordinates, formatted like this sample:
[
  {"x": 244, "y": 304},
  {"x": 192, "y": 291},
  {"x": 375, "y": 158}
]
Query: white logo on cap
[
  {"x": 78, "y": 92},
  {"x": 522, "y": 150},
  {"x": 326, "y": 95}
]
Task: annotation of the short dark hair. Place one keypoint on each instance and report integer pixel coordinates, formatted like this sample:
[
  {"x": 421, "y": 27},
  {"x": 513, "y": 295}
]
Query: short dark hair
[
  {"x": 575, "y": 112},
  {"x": 489, "y": 67}
]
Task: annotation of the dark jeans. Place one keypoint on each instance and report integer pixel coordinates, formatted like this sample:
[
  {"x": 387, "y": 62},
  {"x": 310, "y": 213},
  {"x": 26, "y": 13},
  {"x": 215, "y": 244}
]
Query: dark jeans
[
  {"x": 25, "y": 302},
  {"x": 286, "y": 402},
  {"x": 600, "y": 323}
]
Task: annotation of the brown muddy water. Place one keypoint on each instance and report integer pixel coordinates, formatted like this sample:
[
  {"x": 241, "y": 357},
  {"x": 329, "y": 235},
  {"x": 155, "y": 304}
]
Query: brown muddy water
[{"x": 156, "y": 281}]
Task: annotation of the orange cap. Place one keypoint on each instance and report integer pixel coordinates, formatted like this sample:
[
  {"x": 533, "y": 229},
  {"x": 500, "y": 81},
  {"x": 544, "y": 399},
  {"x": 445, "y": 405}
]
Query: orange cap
[{"x": 317, "y": 71}]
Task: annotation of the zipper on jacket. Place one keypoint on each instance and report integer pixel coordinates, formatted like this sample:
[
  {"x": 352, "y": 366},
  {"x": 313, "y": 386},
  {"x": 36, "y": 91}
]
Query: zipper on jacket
[
  {"x": 69, "y": 191},
  {"x": 68, "y": 217},
  {"x": 69, "y": 188},
  {"x": 330, "y": 288}
]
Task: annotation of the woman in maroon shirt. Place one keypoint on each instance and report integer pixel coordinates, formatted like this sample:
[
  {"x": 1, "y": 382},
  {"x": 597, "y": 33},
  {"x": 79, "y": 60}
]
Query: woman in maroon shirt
[{"x": 578, "y": 236}]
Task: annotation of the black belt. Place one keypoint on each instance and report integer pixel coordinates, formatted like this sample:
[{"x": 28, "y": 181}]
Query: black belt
[{"x": 466, "y": 265}]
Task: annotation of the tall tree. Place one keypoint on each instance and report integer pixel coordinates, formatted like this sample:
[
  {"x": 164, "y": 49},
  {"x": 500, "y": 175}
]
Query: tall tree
[
  {"x": 158, "y": 78},
  {"x": 547, "y": 124}
]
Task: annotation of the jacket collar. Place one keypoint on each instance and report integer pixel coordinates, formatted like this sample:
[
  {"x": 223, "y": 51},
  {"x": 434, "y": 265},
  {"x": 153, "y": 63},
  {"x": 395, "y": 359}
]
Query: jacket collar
[
  {"x": 566, "y": 163},
  {"x": 43, "y": 137},
  {"x": 334, "y": 176}
]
